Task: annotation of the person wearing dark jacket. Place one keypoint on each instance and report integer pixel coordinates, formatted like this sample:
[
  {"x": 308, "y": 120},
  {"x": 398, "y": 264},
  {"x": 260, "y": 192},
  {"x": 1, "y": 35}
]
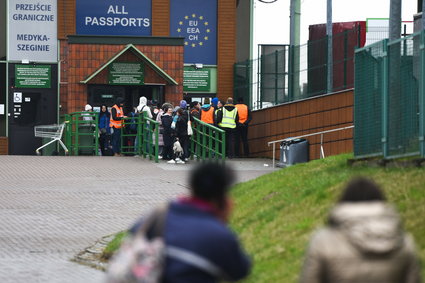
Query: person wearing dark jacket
[
  {"x": 104, "y": 129},
  {"x": 197, "y": 225},
  {"x": 245, "y": 118},
  {"x": 227, "y": 119},
  {"x": 363, "y": 242},
  {"x": 168, "y": 133},
  {"x": 194, "y": 109},
  {"x": 181, "y": 132}
]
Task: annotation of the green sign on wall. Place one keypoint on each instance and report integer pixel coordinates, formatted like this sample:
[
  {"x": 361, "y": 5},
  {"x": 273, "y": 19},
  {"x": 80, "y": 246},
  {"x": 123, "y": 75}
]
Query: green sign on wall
[
  {"x": 33, "y": 76},
  {"x": 196, "y": 80},
  {"x": 126, "y": 74}
]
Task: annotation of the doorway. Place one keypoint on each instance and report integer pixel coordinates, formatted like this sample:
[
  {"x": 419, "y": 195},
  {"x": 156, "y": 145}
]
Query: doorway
[
  {"x": 107, "y": 94},
  {"x": 29, "y": 107}
]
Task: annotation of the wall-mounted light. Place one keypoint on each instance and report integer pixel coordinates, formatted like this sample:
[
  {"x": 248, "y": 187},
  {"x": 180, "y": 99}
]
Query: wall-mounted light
[
  {"x": 25, "y": 61},
  {"x": 199, "y": 66}
]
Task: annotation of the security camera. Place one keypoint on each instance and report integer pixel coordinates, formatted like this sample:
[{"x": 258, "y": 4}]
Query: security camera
[{"x": 198, "y": 66}]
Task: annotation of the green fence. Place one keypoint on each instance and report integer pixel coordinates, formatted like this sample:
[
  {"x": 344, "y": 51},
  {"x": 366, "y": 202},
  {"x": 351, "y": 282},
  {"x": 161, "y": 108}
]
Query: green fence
[
  {"x": 389, "y": 98},
  {"x": 208, "y": 142},
  {"x": 82, "y": 133},
  {"x": 139, "y": 135},
  {"x": 300, "y": 72}
]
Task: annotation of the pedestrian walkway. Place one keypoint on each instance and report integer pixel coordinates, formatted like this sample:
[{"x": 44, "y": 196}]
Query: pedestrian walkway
[{"x": 51, "y": 208}]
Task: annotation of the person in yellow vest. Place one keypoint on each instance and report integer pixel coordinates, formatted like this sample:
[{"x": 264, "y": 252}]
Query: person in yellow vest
[
  {"x": 207, "y": 112},
  {"x": 242, "y": 128},
  {"x": 117, "y": 114},
  {"x": 227, "y": 119}
]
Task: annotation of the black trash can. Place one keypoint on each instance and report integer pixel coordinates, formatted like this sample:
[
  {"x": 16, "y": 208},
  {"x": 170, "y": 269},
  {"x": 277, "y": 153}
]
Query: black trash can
[{"x": 293, "y": 152}]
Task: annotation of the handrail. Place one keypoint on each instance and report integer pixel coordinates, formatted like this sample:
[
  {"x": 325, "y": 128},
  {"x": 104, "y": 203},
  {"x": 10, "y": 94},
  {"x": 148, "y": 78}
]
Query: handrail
[
  {"x": 322, "y": 152},
  {"x": 208, "y": 141}
]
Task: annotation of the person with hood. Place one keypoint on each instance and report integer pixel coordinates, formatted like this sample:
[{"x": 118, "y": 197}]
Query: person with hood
[
  {"x": 104, "y": 129},
  {"x": 143, "y": 107},
  {"x": 362, "y": 242},
  {"x": 207, "y": 112},
  {"x": 196, "y": 226},
  {"x": 116, "y": 123},
  {"x": 227, "y": 119},
  {"x": 214, "y": 102},
  {"x": 87, "y": 116}
]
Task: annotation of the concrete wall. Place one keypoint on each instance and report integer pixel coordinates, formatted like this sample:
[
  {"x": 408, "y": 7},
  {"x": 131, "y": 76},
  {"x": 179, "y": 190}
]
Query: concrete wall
[{"x": 305, "y": 117}]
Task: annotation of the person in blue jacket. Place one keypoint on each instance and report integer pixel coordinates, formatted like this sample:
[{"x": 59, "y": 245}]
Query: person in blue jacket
[
  {"x": 197, "y": 226},
  {"x": 104, "y": 129}
]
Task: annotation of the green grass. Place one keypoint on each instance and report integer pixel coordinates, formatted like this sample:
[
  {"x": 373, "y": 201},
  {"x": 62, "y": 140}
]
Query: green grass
[
  {"x": 275, "y": 214},
  {"x": 113, "y": 245}
]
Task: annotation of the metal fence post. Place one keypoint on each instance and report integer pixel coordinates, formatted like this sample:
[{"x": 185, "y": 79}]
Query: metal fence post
[
  {"x": 385, "y": 98},
  {"x": 422, "y": 95}
]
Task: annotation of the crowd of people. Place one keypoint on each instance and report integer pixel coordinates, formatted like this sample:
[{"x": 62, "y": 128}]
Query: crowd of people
[
  {"x": 173, "y": 125},
  {"x": 363, "y": 240}
]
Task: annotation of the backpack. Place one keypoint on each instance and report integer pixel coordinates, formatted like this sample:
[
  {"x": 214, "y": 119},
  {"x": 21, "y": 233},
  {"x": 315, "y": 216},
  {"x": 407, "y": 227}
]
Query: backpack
[
  {"x": 133, "y": 122},
  {"x": 139, "y": 258}
]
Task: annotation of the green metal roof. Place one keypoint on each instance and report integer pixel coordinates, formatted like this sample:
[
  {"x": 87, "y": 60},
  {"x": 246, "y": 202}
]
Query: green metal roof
[{"x": 142, "y": 56}]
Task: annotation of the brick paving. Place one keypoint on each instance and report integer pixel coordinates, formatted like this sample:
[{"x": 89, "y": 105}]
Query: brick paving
[{"x": 51, "y": 208}]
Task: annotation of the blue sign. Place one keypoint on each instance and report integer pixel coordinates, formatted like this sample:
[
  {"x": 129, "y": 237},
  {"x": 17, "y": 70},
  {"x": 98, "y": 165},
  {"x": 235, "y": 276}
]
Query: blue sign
[
  {"x": 196, "y": 21},
  {"x": 114, "y": 17}
]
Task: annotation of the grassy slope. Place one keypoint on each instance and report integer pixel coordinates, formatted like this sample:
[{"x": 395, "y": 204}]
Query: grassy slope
[{"x": 275, "y": 214}]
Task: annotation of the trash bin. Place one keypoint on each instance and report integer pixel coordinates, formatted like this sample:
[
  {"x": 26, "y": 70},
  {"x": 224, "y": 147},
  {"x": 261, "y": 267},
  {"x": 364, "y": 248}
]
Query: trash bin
[
  {"x": 293, "y": 152},
  {"x": 86, "y": 139}
]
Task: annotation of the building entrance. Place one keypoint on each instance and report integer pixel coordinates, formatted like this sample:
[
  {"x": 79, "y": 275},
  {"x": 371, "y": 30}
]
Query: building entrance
[
  {"x": 29, "y": 107},
  {"x": 107, "y": 94}
]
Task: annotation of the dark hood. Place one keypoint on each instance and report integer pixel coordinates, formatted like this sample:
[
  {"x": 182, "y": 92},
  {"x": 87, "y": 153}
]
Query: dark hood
[{"x": 229, "y": 107}]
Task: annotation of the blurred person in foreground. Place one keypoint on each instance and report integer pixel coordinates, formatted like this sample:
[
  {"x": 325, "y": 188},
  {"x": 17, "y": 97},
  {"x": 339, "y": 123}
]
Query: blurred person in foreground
[
  {"x": 363, "y": 241},
  {"x": 197, "y": 224}
]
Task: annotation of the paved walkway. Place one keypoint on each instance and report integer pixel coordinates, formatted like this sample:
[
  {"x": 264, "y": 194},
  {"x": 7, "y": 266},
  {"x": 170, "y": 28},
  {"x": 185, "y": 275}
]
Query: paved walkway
[{"x": 53, "y": 207}]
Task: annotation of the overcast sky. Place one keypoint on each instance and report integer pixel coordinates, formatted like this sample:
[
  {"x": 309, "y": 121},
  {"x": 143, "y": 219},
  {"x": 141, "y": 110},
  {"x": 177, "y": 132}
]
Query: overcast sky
[{"x": 271, "y": 21}]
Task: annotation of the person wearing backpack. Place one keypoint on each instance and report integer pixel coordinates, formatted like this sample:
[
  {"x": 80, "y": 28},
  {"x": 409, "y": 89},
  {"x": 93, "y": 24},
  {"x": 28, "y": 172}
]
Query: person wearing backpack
[{"x": 189, "y": 238}]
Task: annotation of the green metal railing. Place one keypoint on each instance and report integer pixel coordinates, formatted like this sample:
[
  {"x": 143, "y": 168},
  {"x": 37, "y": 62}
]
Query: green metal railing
[
  {"x": 143, "y": 140},
  {"x": 82, "y": 133},
  {"x": 299, "y": 72},
  {"x": 145, "y": 137},
  {"x": 208, "y": 142},
  {"x": 389, "y": 112}
]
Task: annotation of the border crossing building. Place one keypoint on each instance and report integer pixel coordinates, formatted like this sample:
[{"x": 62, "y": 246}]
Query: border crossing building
[{"x": 58, "y": 55}]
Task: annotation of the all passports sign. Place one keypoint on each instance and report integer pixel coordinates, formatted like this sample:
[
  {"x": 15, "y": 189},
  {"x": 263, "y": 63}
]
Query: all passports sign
[
  {"x": 32, "y": 29},
  {"x": 114, "y": 17}
]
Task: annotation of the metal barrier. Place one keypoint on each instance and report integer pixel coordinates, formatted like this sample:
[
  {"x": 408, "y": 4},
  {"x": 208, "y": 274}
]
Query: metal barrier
[
  {"x": 82, "y": 133},
  {"x": 139, "y": 135},
  {"x": 322, "y": 151},
  {"x": 207, "y": 141},
  {"x": 297, "y": 73},
  {"x": 389, "y": 111}
]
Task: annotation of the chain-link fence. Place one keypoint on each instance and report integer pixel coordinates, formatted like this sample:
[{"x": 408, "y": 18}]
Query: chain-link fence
[
  {"x": 298, "y": 72},
  {"x": 389, "y": 98}
]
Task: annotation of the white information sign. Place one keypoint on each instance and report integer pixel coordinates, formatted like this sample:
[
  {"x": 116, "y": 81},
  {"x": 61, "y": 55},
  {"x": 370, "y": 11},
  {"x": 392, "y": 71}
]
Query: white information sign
[
  {"x": 17, "y": 97},
  {"x": 32, "y": 30}
]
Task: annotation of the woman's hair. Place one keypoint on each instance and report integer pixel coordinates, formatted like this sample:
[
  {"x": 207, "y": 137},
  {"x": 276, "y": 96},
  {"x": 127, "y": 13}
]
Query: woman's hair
[
  {"x": 211, "y": 182},
  {"x": 362, "y": 189}
]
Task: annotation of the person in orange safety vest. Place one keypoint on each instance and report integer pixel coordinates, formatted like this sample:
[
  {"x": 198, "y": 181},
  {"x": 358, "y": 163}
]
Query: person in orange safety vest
[
  {"x": 242, "y": 128},
  {"x": 117, "y": 114},
  {"x": 207, "y": 112}
]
